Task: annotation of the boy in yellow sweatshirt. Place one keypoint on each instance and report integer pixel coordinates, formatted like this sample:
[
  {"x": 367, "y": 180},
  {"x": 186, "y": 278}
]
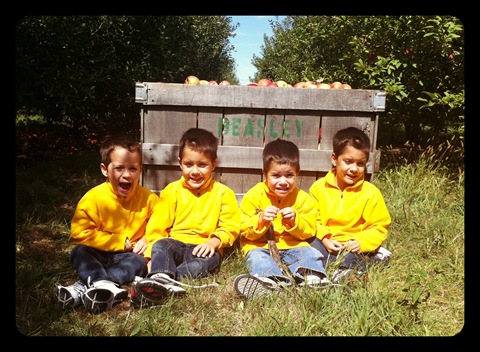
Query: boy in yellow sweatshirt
[
  {"x": 278, "y": 204},
  {"x": 108, "y": 229},
  {"x": 352, "y": 218},
  {"x": 195, "y": 219}
]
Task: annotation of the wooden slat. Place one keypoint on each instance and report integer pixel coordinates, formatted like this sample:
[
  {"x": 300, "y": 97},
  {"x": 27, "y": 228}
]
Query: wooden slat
[
  {"x": 261, "y": 97},
  {"x": 245, "y": 158}
]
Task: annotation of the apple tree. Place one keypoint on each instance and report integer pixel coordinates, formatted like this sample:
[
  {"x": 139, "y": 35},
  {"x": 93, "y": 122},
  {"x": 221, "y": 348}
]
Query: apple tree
[
  {"x": 417, "y": 60},
  {"x": 81, "y": 70}
]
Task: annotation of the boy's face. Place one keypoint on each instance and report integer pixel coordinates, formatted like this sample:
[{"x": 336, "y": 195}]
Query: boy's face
[
  {"x": 196, "y": 167},
  {"x": 350, "y": 166},
  {"x": 281, "y": 179},
  {"x": 124, "y": 170}
]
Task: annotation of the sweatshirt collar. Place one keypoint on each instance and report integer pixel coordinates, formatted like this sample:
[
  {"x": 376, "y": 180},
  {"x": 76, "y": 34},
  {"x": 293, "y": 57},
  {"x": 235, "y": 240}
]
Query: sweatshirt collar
[{"x": 330, "y": 179}]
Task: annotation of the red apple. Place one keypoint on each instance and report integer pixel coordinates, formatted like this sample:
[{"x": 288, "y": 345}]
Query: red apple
[
  {"x": 252, "y": 85},
  {"x": 301, "y": 85},
  {"x": 213, "y": 83},
  {"x": 224, "y": 83},
  {"x": 323, "y": 86},
  {"x": 192, "y": 80},
  {"x": 336, "y": 85},
  {"x": 346, "y": 86},
  {"x": 264, "y": 82}
]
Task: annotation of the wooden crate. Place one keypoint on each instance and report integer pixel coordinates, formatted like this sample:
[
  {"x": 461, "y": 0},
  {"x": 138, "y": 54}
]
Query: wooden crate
[{"x": 244, "y": 119}]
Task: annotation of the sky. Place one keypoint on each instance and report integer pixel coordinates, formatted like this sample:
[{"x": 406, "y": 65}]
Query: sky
[{"x": 248, "y": 40}]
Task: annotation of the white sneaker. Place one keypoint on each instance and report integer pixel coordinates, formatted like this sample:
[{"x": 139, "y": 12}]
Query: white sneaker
[
  {"x": 343, "y": 275},
  {"x": 119, "y": 294},
  {"x": 155, "y": 288},
  {"x": 252, "y": 287},
  {"x": 312, "y": 280},
  {"x": 103, "y": 295},
  {"x": 71, "y": 295},
  {"x": 167, "y": 280},
  {"x": 169, "y": 283}
]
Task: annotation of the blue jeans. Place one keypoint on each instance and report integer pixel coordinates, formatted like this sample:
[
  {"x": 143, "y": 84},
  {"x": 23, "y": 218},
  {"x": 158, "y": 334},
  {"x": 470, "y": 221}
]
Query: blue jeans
[
  {"x": 175, "y": 258},
  {"x": 300, "y": 261},
  {"x": 357, "y": 261},
  {"x": 120, "y": 268}
]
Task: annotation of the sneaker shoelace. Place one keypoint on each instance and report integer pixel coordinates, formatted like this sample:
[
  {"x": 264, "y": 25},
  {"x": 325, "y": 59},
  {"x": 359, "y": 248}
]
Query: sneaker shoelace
[{"x": 170, "y": 280}]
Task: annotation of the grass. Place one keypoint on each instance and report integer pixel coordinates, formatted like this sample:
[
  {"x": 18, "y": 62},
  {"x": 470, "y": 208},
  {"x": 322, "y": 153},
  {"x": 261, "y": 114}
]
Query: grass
[{"x": 420, "y": 293}]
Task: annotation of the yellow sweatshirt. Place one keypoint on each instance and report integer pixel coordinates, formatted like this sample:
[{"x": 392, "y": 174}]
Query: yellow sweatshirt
[
  {"x": 104, "y": 221},
  {"x": 359, "y": 212},
  {"x": 195, "y": 215},
  {"x": 259, "y": 197}
]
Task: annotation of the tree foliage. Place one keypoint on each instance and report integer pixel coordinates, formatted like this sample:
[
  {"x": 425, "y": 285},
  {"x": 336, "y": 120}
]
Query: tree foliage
[
  {"x": 82, "y": 70},
  {"x": 417, "y": 60}
]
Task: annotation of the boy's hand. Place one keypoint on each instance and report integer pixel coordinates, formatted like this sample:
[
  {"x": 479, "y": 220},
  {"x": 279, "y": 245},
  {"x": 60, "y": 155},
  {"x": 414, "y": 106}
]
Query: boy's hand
[
  {"x": 204, "y": 250},
  {"x": 207, "y": 249},
  {"x": 332, "y": 246},
  {"x": 269, "y": 214},
  {"x": 353, "y": 246},
  {"x": 288, "y": 216},
  {"x": 140, "y": 246},
  {"x": 128, "y": 245}
]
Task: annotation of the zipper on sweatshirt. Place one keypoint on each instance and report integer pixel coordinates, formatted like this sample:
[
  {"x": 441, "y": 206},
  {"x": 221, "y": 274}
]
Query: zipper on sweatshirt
[{"x": 341, "y": 201}]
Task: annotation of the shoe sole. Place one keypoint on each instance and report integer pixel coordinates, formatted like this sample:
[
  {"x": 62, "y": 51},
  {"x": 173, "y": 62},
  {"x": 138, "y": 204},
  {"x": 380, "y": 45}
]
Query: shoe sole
[
  {"x": 251, "y": 287},
  {"x": 66, "y": 298},
  {"x": 154, "y": 291},
  {"x": 98, "y": 300}
]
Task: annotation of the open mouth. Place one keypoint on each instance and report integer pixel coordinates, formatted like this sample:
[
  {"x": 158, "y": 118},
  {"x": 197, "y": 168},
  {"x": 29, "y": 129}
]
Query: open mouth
[{"x": 125, "y": 186}]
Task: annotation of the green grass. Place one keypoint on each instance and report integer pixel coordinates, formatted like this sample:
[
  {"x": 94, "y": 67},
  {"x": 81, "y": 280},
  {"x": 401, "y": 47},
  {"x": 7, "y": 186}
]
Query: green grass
[{"x": 420, "y": 293}]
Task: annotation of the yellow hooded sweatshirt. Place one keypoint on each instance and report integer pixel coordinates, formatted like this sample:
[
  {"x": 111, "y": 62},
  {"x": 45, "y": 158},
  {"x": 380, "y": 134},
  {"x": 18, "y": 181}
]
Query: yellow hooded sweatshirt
[
  {"x": 259, "y": 197},
  {"x": 104, "y": 220},
  {"x": 359, "y": 212},
  {"x": 195, "y": 215}
]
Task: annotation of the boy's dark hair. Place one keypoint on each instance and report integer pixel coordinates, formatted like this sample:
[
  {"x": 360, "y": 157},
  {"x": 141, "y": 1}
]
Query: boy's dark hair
[
  {"x": 199, "y": 140},
  {"x": 351, "y": 136},
  {"x": 281, "y": 151},
  {"x": 111, "y": 142}
]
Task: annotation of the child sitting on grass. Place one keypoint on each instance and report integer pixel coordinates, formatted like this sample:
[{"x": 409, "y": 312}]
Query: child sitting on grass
[
  {"x": 352, "y": 219},
  {"x": 290, "y": 212},
  {"x": 195, "y": 219},
  {"x": 108, "y": 228}
]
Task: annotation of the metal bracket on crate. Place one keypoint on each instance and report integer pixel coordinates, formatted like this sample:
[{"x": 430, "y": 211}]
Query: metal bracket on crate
[
  {"x": 379, "y": 99},
  {"x": 141, "y": 93}
]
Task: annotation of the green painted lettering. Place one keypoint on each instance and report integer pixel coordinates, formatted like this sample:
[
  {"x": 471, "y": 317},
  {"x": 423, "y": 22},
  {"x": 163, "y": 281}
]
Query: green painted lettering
[
  {"x": 285, "y": 129},
  {"x": 299, "y": 126},
  {"x": 273, "y": 134},
  {"x": 236, "y": 122},
  {"x": 248, "y": 128},
  {"x": 260, "y": 128}
]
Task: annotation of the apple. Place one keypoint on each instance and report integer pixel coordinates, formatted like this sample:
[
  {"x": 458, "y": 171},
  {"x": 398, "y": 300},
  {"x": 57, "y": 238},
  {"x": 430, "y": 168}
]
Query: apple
[
  {"x": 336, "y": 85},
  {"x": 301, "y": 85},
  {"x": 323, "y": 86},
  {"x": 311, "y": 85},
  {"x": 203, "y": 82},
  {"x": 346, "y": 86},
  {"x": 213, "y": 83},
  {"x": 192, "y": 80},
  {"x": 224, "y": 83},
  {"x": 264, "y": 82},
  {"x": 253, "y": 84},
  {"x": 281, "y": 84}
]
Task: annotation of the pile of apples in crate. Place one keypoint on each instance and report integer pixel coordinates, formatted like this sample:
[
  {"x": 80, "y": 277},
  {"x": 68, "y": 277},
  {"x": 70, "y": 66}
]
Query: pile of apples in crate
[{"x": 264, "y": 82}]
